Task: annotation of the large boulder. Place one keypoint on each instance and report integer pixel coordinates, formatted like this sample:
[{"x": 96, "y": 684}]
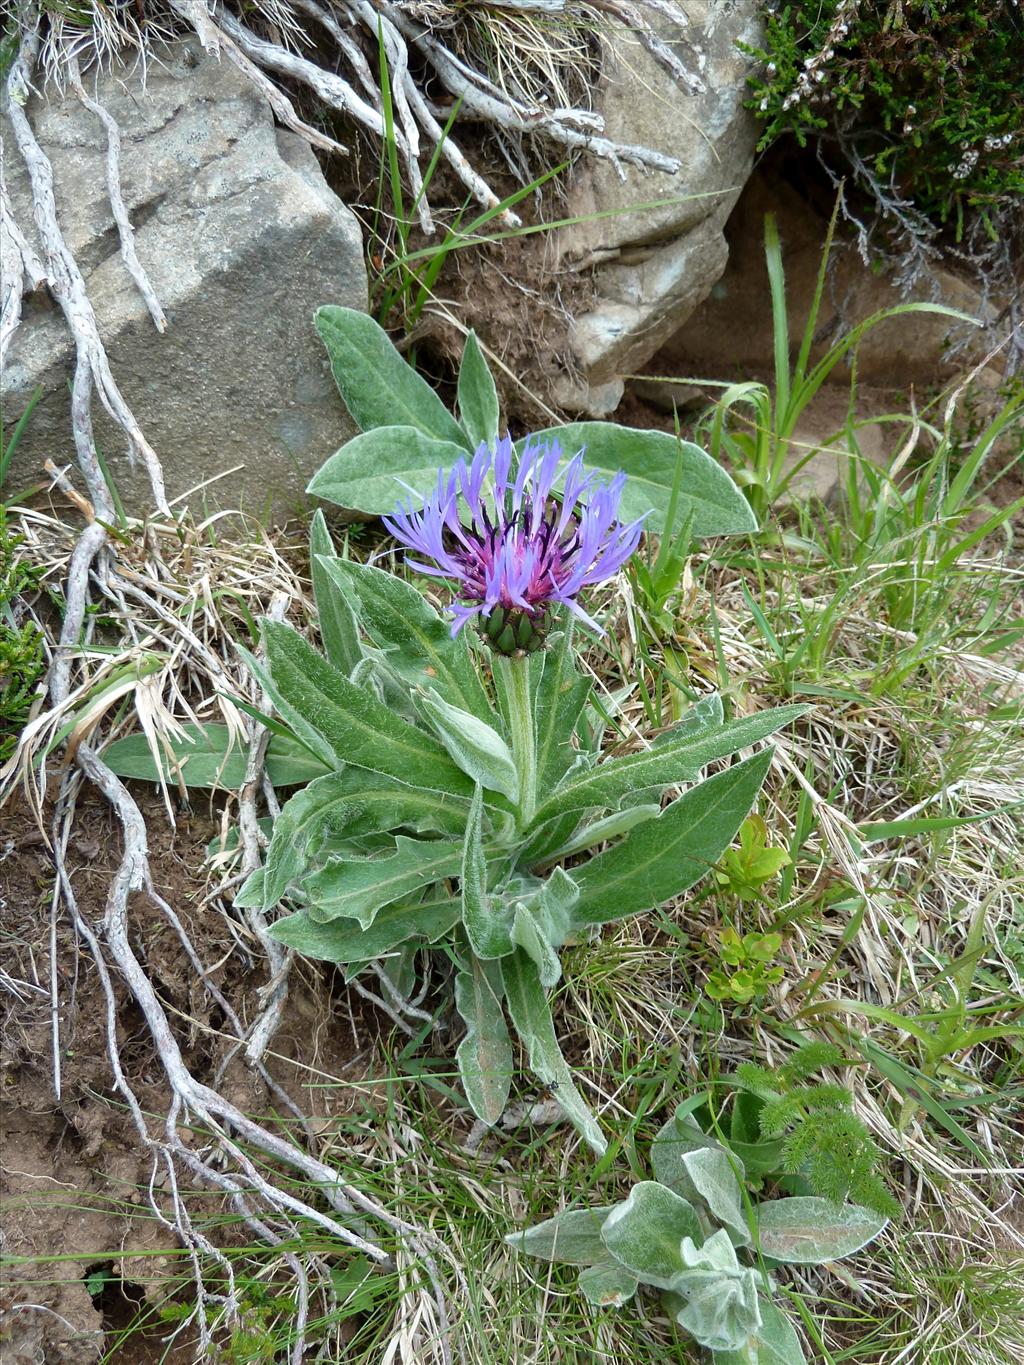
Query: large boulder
[
  {"x": 242, "y": 239},
  {"x": 652, "y": 266}
]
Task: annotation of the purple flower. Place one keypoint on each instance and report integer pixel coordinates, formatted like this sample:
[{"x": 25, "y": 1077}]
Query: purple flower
[{"x": 521, "y": 550}]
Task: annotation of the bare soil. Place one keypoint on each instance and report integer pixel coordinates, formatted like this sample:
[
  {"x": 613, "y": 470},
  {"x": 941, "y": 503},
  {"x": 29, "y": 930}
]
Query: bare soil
[{"x": 73, "y": 1170}]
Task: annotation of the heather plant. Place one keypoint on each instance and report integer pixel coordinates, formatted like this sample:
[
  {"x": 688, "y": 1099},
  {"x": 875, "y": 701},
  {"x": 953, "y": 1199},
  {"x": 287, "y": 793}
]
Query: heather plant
[
  {"x": 461, "y": 804},
  {"x": 922, "y": 99},
  {"x": 695, "y": 1234}
]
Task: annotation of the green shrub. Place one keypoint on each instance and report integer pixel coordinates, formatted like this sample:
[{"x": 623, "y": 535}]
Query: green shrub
[
  {"x": 22, "y": 663},
  {"x": 923, "y": 97}
]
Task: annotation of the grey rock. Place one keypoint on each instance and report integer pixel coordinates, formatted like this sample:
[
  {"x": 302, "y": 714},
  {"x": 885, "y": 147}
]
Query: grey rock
[
  {"x": 652, "y": 266},
  {"x": 242, "y": 240}
]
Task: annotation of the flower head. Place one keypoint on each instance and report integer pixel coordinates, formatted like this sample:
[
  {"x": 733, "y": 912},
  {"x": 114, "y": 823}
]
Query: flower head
[{"x": 520, "y": 550}]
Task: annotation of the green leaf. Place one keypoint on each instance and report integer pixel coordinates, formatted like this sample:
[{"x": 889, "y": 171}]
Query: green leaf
[
  {"x": 528, "y": 935},
  {"x": 486, "y": 919},
  {"x": 807, "y": 1230},
  {"x": 354, "y": 725},
  {"x": 417, "y": 641},
  {"x": 353, "y": 802},
  {"x": 205, "y": 758},
  {"x": 477, "y": 397},
  {"x": 531, "y": 1014},
  {"x": 775, "y": 1342},
  {"x": 649, "y": 459},
  {"x": 713, "y": 1177},
  {"x": 369, "y": 473},
  {"x": 672, "y": 1142},
  {"x": 343, "y": 941},
  {"x": 339, "y": 629},
  {"x": 720, "y": 1307},
  {"x": 646, "y": 1231},
  {"x": 664, "y": 857},
  {"x": 607, "y": 1286},
  {"x": 607, "y": 828},
  {"x": 485, "y": 1054},
  {"x": 562, "y": 694},
  {"x": 478, "y": 749},
  {"x": 572, "y": 1237},
  {"x": 675, "y": 758},
  {"x": 356, "y": 888},
  {"x": 378, "y": 386}
]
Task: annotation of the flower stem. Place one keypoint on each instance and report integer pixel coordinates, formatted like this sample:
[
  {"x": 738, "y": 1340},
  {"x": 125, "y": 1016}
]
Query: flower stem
[{"x": 515, "y": 675}]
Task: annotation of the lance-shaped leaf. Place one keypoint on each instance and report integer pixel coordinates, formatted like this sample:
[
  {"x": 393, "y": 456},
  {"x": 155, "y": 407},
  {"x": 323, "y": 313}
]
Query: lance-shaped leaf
[
  {"x": 485, "y": 1054},
  {"x": 560, "y": 698},
  {"x": 677, "y": 757},
  {"x": 206, "y": 757},
  {"x": 671, "y": 1144},
  {"x": 775, "y": 1342},
  {"x": 572, "y": 1237},
  {"x": 531, "y": 1013},
  {"x": 713, "y": 1178},
  {"x": 339, "y": 629},
  {"x": 808, "y": 1231},
  {"x": 343, "y": 941},
  {"x": 664, "y": 857},
  {"x": 417, "y": 641},
  {"x": 722, "y": 1308},
  {"x": 607, "y": 1286},
  {"x": 478, "y": 749},
  {"x": 646, "y": 1231},
  {"x": 487, "y": 919},
  {"x": 378, "y": 386},
  {"x": 607, "y": 828},
  {"x": 528, "y": 935},
  {"x": 356, "y": 888},
  {"x": 372, "y": 472},
  {"x": 352, "y": 724},
  {"x": 650, "y": 460},
  {"x": 352, "y": 803},
  {"x": 476, "y": 396},
  {"x": 553, "y": 904}
]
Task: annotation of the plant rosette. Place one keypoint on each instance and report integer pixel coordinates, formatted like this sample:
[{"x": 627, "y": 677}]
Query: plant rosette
[
  {"x": 456, "y": 772},
  {"x": 694, "y": 1234}
]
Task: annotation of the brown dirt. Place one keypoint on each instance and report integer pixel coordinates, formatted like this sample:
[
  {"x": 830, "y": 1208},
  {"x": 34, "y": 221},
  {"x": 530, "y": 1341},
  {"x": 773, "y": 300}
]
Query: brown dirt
[{"x": 73, "y": 1173}]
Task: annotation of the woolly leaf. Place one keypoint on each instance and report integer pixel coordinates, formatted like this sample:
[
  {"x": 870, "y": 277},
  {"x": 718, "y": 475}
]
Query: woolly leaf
[
  {"x": 378, "y": 386},
  {"x": 664, "y": 857},
  {"x": 531, "y": 1014},
  {"x": 485, "y": 1053},
  {"x": 572, "y": 1237},
  {"x": 343, "y": 941},
  {"x": 476, "y": 396},
  {"x": 808, "y": 1231},
  {"x": 356, "y": 888},
  {"x": 645, "y": 1232},
  {"x": 774, "y": 1342},
  {"x": 339, "y": 628},
  {"x": 607, "y": 1286}
]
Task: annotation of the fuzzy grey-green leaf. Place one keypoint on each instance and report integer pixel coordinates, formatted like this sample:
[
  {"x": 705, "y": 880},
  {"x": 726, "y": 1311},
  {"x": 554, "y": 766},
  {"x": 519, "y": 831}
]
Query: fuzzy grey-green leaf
[
  {"x": 531, "y": 1014},
  {"x": 664, "y": 857},
  {"x": 356, "y": 888},
  {"x": 343, "y": 941},
  {"x": 806, "y": 1230},
  {"x": 484, "y": 1055},
  {"x": 645, "y": 1232},
  {"x": 477, "y": 398},
  {"x": 369, "y": 474},
  {"x": 572, "y": 1237},
  {"x": 475, "y": 746},
  {"x": 378, "y": 386},
  {"x": 351, "y": 722},
  {"x": 649, "y": 459},
  {"x": 775, "y": 1342},
  {"x": 206, "y": 757},
  {"x": 607, "y": 1286},
  {"x": 677, "y": 757},
  {"x": 339, "y": 629}
]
